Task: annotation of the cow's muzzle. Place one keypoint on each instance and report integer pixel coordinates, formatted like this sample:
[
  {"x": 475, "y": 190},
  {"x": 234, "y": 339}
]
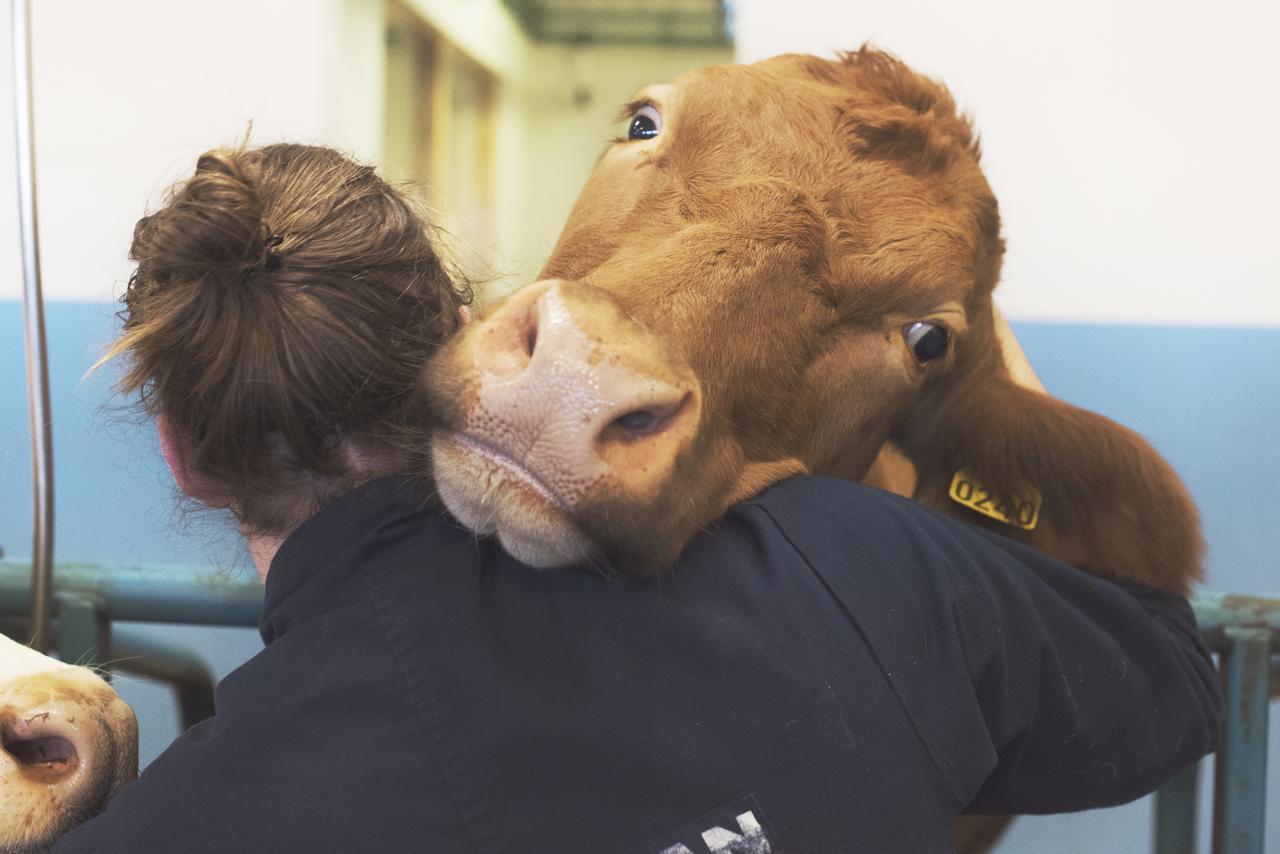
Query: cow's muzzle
[{"x": 573, "y": 402}]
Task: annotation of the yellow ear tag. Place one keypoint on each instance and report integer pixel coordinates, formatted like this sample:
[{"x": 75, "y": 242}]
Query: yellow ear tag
[{"x": 1022, "y": 511}]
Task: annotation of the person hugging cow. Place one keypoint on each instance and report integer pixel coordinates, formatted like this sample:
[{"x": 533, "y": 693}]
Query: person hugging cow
[{"x": 828, "y": 667}]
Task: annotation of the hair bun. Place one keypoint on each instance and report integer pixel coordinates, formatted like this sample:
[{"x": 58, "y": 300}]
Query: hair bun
[
  {"x": 268, "y": 382},
  {"x": 211, "y": 225}
]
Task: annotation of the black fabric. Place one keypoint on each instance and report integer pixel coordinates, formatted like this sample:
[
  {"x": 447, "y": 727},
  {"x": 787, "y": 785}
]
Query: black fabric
[{"x": 831, "y": 669}]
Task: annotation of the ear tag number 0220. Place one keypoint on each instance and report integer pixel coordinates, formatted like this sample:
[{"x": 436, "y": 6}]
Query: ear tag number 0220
[{"x": 1022, "y": 511}]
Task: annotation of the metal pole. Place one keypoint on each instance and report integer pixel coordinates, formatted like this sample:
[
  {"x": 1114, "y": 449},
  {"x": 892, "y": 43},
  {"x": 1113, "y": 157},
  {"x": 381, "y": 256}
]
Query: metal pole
[
  {"x": 1240, "y": 778},
  {"x": 33, "y": 325},
  {"x": 146, "y": 594},
  {"x": 187, "y": 673},
  {"x": 1176, "y": 813}
]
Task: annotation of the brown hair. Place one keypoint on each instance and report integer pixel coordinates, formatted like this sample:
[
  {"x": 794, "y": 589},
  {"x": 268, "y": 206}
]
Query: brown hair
[{"x": 283, "y": 305}]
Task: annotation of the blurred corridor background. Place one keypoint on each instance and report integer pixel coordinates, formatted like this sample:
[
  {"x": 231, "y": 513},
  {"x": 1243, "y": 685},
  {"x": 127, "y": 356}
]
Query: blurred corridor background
[{"x": 1131, "y": 146}]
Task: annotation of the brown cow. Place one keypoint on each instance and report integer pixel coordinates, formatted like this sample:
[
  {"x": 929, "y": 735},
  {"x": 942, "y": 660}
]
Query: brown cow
[
  {"x": 780, "y": 269},
  {"x": 69, "y": 744}
]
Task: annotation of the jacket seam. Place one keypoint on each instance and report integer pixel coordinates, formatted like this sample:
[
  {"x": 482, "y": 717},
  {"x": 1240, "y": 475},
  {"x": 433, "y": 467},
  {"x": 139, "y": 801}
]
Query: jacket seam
[{"x": 428, "y": 721}]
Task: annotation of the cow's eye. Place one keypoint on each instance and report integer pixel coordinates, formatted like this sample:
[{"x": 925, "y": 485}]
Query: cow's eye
[
  {"x": 927, "y": 341},
  {"x": 646, "y": 123}
]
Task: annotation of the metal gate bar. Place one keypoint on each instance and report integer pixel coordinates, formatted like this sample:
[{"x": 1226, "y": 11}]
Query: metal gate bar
[
  {"x": 1240, "y": 784},
  {"x": 1245, "y": 631},
  {"x": 1176, "y": 813},
  {"x": 145, "y": 594}
]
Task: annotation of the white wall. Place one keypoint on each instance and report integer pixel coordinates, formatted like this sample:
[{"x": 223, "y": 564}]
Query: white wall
[
  {"x": 127, "y": 94},
  {"x": 1132, "y": 144}
]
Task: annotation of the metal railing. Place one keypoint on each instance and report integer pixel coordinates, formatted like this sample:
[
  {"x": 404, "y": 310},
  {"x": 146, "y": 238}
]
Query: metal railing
[{"x": 88, "y": 599}]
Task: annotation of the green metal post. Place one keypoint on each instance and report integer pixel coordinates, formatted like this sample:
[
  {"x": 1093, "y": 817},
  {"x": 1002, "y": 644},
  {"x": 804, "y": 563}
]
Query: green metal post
[
  {"x": 1176, "y": 813},
  {"x": 1240, "y": 784},
  {"x": 148, "y": 594},
  {"x": 84, "y": 630}
]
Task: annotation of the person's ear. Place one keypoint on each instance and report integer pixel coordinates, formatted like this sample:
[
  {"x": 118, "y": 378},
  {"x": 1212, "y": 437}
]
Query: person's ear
[
  {"x": 177, "y": 453},
  {"x": 464, "y": 314},
  {"x": 1078, "y": 486}
]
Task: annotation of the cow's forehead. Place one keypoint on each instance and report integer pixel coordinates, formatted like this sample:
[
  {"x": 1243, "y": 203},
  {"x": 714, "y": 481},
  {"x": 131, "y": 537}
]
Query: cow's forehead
[
  {"x": 745, "y": 94},
  {"x": 731, "y": 124}
]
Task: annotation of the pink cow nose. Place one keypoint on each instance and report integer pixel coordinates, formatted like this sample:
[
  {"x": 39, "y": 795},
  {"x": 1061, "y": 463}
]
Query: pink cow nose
[{"x": 573, "y": 391}]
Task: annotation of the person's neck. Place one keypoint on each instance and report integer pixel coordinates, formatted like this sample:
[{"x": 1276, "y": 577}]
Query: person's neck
[
  {"x": 362, "y": 465},
  {"x": 263, "y": 548}
]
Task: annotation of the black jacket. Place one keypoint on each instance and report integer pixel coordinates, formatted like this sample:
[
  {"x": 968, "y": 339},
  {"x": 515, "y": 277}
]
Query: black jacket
[{"x": 829, "y": 669}]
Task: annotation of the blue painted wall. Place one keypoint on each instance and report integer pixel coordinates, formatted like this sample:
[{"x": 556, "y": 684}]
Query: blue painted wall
[
  {"x": 115, "y": 501},
  {"x": 1209, "y": 399}
]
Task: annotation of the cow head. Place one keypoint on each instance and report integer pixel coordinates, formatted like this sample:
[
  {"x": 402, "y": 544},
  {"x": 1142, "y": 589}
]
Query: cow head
[
  {"x": 777, "y": 269},
  {"x": 69, "y": 744}
]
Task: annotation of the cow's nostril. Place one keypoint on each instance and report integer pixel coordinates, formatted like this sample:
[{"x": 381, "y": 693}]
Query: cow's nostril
[
  {"x": 46, "y": 757},
  {"x": 47, "y": 750},
  {"x": 530, "y": 339},
  {"x": 528, "y": 321}
]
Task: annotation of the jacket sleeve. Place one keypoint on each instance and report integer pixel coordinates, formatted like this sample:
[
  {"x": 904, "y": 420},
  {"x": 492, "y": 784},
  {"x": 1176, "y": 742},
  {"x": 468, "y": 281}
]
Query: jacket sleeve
[
  {"x": 1035, "y": 687},
  {"x": 1092, "y": 693}
]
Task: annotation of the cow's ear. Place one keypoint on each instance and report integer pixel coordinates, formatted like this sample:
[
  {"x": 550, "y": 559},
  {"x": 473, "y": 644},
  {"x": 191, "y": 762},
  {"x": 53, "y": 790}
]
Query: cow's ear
[{"x": 1069, "y": 482}]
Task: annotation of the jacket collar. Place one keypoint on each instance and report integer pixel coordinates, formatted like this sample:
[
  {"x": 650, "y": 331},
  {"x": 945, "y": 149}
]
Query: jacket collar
[{"x": 321, "y": 564}]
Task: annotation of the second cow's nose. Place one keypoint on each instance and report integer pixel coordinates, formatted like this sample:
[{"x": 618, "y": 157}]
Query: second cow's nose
[{"x": 572, "y": 388}]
